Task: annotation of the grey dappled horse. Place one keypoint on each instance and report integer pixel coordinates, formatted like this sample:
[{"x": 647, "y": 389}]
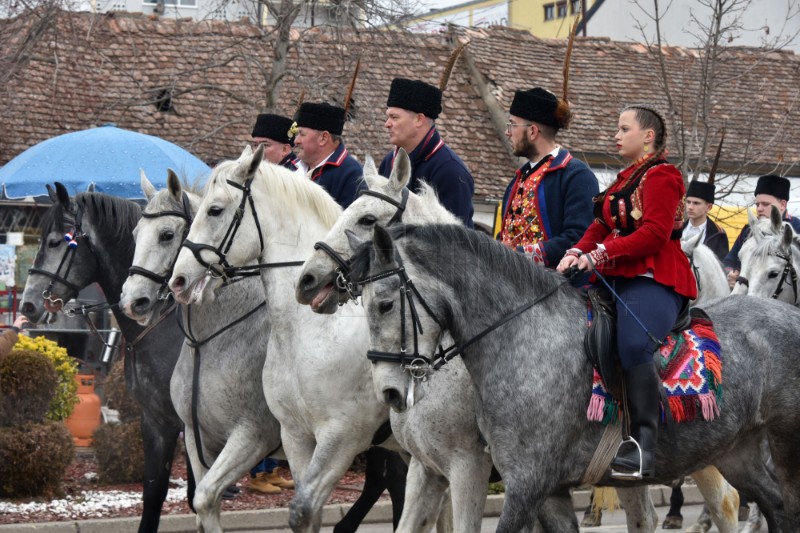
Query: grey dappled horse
[
  {"x": 316, "y": 380},
  {"x": 441, "y": 433},
  {"x": 712, "y": 283},
  {"x": 229, "y": 335},
  {"x": 103, "y": 254},
  {"x": 534, "y": 381}
]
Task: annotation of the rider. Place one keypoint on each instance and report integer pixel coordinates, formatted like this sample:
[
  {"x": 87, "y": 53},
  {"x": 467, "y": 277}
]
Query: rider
[
  {"x": 548, "y": 204},
  {"x": 635, "y": 242},
  {"x": 699, "y": 201},
  {"x": 770, "y": 190},
  {"x": 274, "y": 133}
]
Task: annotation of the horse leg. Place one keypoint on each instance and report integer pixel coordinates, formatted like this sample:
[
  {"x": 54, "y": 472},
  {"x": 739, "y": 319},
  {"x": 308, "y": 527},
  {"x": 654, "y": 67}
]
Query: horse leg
[
  {"x": 721, "y": 499},
  {"x": 330, "y": 461},
  {"x": 159, "y": 444},
  {"x": 556, "y": 515},
  {"x": 425, "y": 491},
  {"x": 444, "y": 523},
  {"x": 239, "y": 453},
  {"x": 783, "y": 445},
  {"x": 524, "y": 497},
  {"x": 640, "y": 514},
  {"x": 375, "y": 481},
  {"x": 191, "y": 484},
  {"x": 468, "y": 476},
  {"x": 198, "y": 469}
]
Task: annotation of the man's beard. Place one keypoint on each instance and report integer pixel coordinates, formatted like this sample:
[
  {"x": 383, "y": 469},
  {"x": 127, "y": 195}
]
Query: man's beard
[{"x": 526, "y": 149}]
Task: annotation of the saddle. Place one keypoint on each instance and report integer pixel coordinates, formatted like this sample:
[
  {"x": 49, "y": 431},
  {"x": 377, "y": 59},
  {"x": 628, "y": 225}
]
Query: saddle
[{"x": 600, "y": 341}]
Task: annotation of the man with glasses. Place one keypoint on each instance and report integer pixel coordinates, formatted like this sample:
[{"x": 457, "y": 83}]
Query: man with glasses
[
  {"x": 548, "y": 205},
  {"x": 273, "y": 132},
  {"x": 412, "y": 108},
  {"x": 318, "y": 138}
]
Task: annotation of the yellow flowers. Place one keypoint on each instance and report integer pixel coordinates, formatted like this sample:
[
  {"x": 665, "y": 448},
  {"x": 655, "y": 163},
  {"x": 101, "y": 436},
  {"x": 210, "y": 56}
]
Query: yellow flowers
[
  {"x": 66, "y": 368},
  {"x": 293, "y": 130}
]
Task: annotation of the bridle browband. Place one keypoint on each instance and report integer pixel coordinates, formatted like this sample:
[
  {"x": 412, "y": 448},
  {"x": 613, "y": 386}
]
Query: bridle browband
[
  {"x": 417, "y": 364},
  {"x": 343, "y": 282},
  {"x": 163, "y": 280},
  {"x": 788, "y": 271},
  {"x": 222, "y": 269}
]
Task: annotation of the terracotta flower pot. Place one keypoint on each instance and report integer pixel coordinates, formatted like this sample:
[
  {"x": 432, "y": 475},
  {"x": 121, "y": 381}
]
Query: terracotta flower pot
[{"x": 85, "y": 418}]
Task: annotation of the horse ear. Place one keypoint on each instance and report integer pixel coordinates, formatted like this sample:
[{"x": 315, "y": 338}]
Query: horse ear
[
  {"x": 147, "y": 188},
  {"x": 401, "y": 172},
  {"x": 62, "y": 195},
  {"x": 354, "y": 240},
  {"x": 51, "y": 192},
  {"x": 788, "y": 237},
  {"x": 383, "y": 245},
  {"x": 775, "y": 220},
  {"x": 174, "y": 185},
  {"x": 258, "y": 157},
  {"x": 690, "y": 245},
  {"x": 755, "y": 231},
  {"x": 369, "y": 170},
  {"x": 248, "y": 151}
]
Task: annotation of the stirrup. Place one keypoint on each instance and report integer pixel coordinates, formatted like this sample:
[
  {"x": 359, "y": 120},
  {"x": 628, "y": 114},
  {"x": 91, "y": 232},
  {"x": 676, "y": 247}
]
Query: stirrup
[{"x": 629, "y": 476}]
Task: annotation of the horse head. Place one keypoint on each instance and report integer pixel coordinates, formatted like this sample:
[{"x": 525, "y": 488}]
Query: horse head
[
  {"x": 164, "y": 224},
  {"x": 404, "y": 329},
  {"x": 72, "y": 253},
  {"x": 323, "y": 277}
]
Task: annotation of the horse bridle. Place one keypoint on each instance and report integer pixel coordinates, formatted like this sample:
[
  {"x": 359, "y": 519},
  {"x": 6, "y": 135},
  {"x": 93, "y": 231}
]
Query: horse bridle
[
  {"x": 163, "y": 280},
  {"x": 343, "y": 282},
  {"x": 418, "y": 365},
  {"x": 67, "y": 259},
  {"x": 788, "y": 271},
  {"x": 222, "y": 269}
]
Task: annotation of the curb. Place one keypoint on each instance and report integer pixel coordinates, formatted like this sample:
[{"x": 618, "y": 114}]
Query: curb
[{"x": 267, "y": 519}]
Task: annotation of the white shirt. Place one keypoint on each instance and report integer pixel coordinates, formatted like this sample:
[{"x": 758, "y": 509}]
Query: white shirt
[
  {"x": 310, "y": 171},
  {"x": 691, "y": 231}
]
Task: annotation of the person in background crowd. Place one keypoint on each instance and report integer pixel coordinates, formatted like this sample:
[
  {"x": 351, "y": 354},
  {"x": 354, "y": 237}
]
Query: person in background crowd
[
  {"x": 9, "y": 337},
  {"x": 274, "y": 133},
  {"x": 699, "y": 201},
  {"x": 411, "y": 112},
  {"x": 770, "y": 190}
]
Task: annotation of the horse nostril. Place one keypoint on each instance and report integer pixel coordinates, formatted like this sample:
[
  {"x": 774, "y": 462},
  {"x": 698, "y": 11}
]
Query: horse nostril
[
  {"x": 307, "y": 281},
  {"x": 392, "y": 397},
  {"x": 179, "y": 282},
  {"x": 141, "y": 304},
  {"x": 27, "y": 308}
]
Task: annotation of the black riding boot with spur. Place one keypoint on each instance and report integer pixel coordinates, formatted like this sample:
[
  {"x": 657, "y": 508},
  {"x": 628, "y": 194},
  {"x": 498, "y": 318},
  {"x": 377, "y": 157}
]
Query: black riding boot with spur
[{"x": 641, "y": 387}]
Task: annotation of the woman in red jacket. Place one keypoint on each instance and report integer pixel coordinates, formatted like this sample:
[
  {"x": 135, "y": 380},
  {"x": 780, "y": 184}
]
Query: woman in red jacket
[{"x": 634, "y": 242}]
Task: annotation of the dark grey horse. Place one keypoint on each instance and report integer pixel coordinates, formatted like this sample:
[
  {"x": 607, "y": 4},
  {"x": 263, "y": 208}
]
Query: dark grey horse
[
  {"x": 534, "y": 381},
  {"x": 103, "y": 231}
]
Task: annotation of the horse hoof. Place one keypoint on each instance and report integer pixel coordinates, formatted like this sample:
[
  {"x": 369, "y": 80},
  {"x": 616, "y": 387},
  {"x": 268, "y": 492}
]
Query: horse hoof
[
  {"x": 591, "y": 519},
  {"x": 672, "y": 522},
  {"x": 699, "y": 527}
]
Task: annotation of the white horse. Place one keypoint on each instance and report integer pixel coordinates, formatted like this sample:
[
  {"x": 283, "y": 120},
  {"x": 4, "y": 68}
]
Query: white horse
[
  {"x": 316, "y": 379},
  {"x": 711, "y": 281},
  {"x": 236, "y": 429}
]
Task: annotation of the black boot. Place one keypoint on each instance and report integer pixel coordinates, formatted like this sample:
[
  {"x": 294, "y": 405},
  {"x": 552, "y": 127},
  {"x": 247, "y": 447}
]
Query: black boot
[{"x": 641, "y": 386}]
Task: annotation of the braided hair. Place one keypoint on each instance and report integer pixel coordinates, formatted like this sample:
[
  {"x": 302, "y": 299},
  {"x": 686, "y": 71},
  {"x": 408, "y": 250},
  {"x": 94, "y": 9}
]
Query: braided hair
[{"x": 650, "y": 118}]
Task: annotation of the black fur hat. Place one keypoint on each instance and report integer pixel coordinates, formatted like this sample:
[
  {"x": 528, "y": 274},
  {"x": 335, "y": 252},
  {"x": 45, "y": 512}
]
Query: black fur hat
[
  {"x": 416, "y": 96},
  {"x": 773, "y": 185},
  {"x": 701, "y": 189},
  {"x": 275, "y": 127},
  {"x": 322, "y": 117},
  {"x": 537, "y": 105}
]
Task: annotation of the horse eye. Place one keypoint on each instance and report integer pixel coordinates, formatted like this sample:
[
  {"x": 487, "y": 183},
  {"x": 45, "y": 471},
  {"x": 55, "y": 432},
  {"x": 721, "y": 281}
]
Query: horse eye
[
  {"x": 53, "y": 243},
  {"x": 385, "y": 307},
  {"x": 166, "y": 236},
  {"x": 214, "y": 211},
  {"x": 367, "y": 220},
  {"x": 772, "y": 275}
]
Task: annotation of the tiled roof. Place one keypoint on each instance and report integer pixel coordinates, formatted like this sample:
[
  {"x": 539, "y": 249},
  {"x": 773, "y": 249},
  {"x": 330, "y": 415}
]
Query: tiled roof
[{"x": 87, "y": 70}]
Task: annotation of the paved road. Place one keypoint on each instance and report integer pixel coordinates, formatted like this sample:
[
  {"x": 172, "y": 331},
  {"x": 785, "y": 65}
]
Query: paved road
[{"x": 612, "y": 523}]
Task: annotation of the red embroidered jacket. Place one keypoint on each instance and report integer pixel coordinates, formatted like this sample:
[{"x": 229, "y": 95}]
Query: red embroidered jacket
[{"x": 659, "y": 200}]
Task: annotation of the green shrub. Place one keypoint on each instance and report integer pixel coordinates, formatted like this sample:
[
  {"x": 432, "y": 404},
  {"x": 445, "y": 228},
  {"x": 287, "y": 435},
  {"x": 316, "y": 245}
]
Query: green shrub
[
  {"x": 496, "y": 488},
  {"x": 66, "y": 367},
  {"x": 28, "y": 383},
  {"x": 117, "y": 395},
  {"x": 120, "y": 452},
  {"x": 33, "y": 458}
]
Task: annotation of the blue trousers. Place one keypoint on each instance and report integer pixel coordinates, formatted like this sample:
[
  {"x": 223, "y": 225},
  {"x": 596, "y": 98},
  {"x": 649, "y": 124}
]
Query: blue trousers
[
  {"x": 266, "y": 465},
  {"x": 657, "y": 307}
]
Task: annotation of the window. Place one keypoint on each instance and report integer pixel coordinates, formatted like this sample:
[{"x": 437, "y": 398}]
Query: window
[
  {"x": 549, "y": 11},
  {"x": 575, "y": 7},
  {"x": 179, "y": 3},
  {"x": 561, "y": 10}
]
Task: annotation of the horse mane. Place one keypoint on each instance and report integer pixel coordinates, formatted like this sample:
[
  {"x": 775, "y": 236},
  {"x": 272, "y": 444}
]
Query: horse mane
[
  {"x": 97, "y": 208},
  {"x": 426, "y": 193},
  {"x": 287, "y": 188},
  {"x": 517, "y": 269}
]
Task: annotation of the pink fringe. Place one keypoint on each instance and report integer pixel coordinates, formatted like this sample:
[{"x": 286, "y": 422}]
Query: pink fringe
[
  {"x": 596, "y": 406},
  {"x": 708, "y": 402}
]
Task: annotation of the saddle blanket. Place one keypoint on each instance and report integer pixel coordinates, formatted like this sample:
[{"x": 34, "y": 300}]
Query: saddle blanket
[{"x": 690, "y": 366}]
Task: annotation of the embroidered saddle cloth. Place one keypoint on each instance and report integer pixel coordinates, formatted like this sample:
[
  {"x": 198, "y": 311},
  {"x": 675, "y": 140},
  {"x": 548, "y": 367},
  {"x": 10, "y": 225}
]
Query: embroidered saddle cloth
[{"x": 690, "y": 366}]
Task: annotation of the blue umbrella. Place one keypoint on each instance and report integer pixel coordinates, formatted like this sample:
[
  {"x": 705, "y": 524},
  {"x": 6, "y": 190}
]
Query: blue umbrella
[{"x": 106, "y": 159}]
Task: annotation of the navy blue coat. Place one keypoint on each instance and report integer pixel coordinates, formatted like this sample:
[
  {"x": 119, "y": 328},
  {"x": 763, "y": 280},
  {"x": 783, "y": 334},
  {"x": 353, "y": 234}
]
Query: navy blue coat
[
  {"x": 440, "y": 167},
  {"x": 564, "y": 201},
  {"x": 291, "y": 161},
  {"x": 732, "y": 261},
  {"x": 341, "y": 176}
]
